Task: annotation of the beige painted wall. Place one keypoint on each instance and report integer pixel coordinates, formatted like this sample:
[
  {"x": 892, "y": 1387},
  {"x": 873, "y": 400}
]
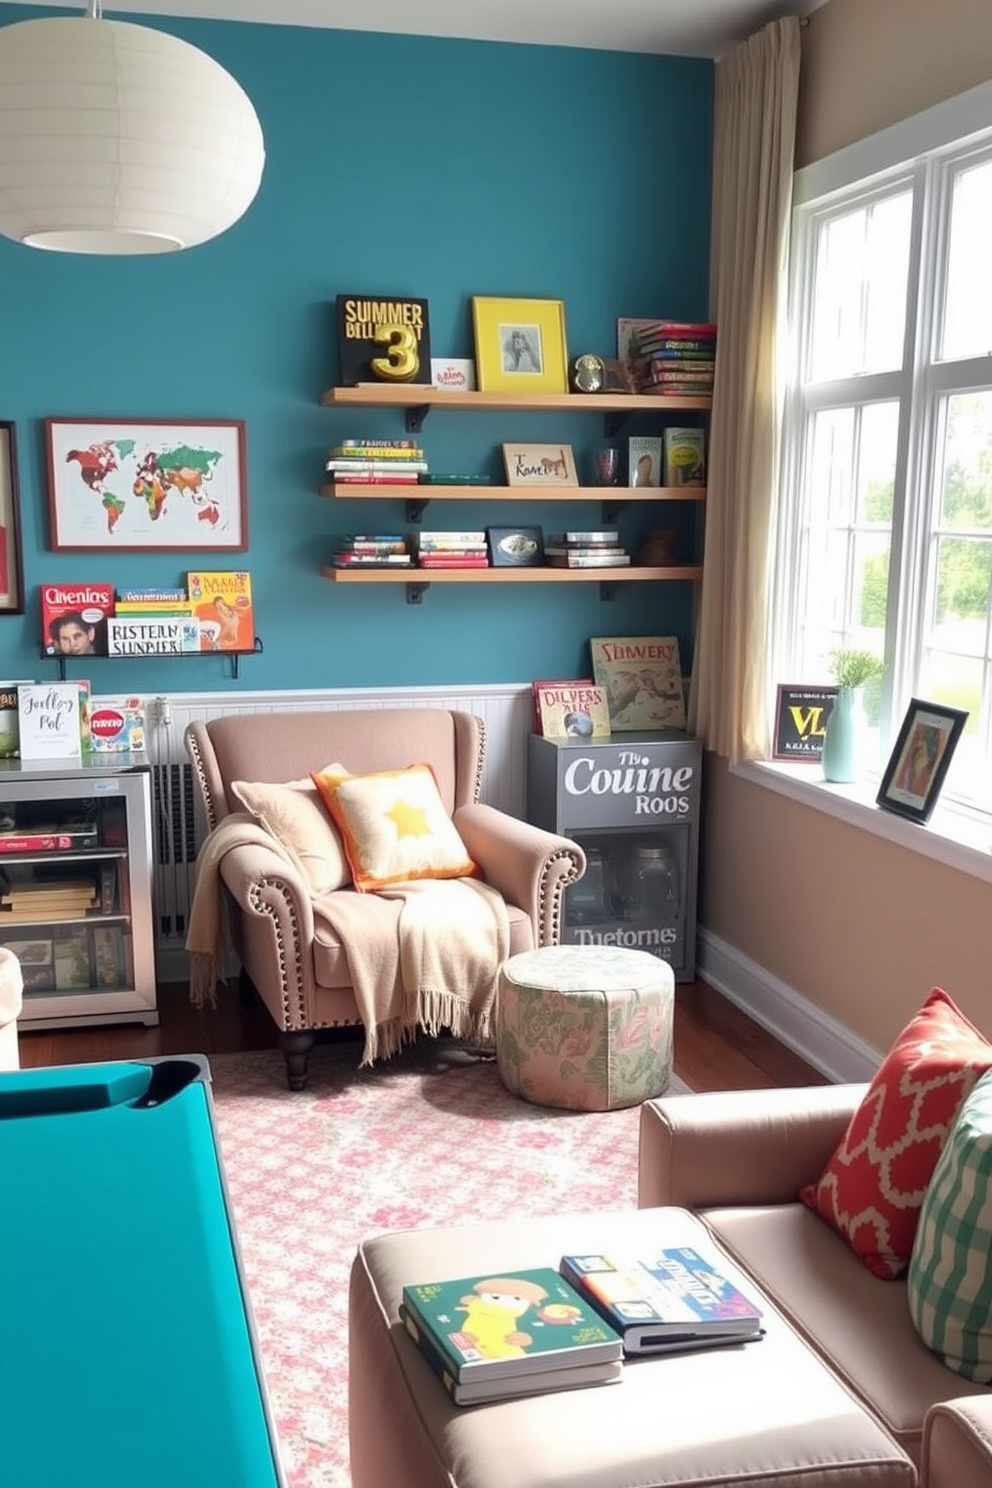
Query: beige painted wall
[
  {"x": 869, "y": 63},
  {"x": 857, "y": 925}
]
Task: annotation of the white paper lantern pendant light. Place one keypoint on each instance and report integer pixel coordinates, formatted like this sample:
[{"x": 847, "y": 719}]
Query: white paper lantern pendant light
[{"x": 118, "y": 139}]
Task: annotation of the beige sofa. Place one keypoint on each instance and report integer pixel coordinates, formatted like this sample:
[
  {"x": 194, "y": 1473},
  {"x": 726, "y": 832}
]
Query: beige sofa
[
  {"x": 840, "y": 1393},
  {"x": 738, "y": 1160}
]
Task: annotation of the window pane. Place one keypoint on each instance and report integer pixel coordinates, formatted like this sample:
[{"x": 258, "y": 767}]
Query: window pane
[
  {"x": 847, "y": 541},
  {"x": 859, "y": 290},
  {"x": 954, "y": 665},
  {"x": 968, "y": 306}
]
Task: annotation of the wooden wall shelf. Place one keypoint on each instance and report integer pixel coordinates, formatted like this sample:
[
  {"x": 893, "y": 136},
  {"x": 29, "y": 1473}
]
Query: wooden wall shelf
[
  {"x": 613, "y": 499},
  {"x": 417, "y": 580},
  {"x": 418, "y": 400}
]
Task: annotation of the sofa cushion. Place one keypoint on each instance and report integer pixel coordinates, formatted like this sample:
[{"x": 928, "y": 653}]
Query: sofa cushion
[
  {"x": 873, "y": 1185},
  {"x": 950, "y": 1273},
  {"x": 858, "y": 1324},
  {"x": 394, "y": 827},
  {"x": 294, "y": 813}
]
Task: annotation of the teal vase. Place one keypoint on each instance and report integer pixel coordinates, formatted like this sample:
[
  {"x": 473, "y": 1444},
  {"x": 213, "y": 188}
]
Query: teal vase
[{"x": 845, "y": 741}]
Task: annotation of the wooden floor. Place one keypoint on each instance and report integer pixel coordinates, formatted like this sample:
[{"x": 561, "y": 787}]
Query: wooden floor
[{"x": 717, "y": 1047}]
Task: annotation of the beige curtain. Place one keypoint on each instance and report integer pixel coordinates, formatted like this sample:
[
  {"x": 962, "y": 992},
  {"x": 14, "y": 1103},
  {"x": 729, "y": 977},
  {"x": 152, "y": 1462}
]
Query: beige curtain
[{"x": 754, "y": 135}]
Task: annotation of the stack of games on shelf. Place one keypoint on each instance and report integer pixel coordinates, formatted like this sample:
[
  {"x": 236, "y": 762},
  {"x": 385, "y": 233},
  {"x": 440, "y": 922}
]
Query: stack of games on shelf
[
  {"x": 595, "y": 549},
  {"x": 376, "y": 462},
  {"x": 452, "y": 550},
  {"x": 372, "y": 550},
  {"x": 674, "y": 358}
]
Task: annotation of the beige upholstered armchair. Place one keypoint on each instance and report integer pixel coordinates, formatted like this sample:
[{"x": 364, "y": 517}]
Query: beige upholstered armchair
[{"x": 286, "y": 925}]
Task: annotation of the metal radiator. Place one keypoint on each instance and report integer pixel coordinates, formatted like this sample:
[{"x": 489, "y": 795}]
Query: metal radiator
[{"x": 179, "y": 823}]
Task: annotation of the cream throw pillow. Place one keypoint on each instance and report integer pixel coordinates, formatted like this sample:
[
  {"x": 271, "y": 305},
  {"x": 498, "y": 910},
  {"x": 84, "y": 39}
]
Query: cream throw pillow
[
  {"x": 294, "y": 814},
  {"x": 394, "y": 826}
]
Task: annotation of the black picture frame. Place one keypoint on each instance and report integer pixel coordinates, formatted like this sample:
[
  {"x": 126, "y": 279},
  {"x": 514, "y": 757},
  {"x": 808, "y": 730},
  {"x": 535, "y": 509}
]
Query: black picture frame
[
  {"x": 11, "y": 552},
  {"x": 911, "y": 784},
  {"x": 515, "y": 547},
  {"x": 801, "y": 715}
]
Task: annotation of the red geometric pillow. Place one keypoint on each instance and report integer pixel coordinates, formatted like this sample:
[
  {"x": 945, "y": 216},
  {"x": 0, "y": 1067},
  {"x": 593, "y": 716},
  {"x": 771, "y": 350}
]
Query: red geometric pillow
[{"x": 872, "y": 1187}]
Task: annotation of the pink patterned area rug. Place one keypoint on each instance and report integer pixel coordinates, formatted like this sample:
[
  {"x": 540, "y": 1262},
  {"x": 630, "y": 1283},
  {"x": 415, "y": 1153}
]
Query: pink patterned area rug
[{"x": 429, "y": 1138}]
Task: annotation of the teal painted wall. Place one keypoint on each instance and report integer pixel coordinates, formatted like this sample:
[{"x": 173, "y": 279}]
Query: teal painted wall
[{"x": 402, "y": 165}]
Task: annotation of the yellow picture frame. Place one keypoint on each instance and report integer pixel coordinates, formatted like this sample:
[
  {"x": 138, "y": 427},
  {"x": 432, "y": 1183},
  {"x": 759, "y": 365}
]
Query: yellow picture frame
[{"x": 520, "y": 345}]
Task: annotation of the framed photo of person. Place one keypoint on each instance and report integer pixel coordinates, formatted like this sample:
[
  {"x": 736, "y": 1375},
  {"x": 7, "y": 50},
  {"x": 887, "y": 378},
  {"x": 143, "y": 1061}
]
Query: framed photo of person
[
  {"x": 920, "y": 759},
  {"x": 520, "y": 345}
]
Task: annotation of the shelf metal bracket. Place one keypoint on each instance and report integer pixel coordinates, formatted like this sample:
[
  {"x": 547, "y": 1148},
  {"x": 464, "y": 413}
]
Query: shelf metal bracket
[
  {"x": 415, "y": 417},
  {"x": 415, "y": 593},
  {"x": 611, "y": 510},
  {"x": 613, "y": 423},
  {"x": 608, "y": 588},
  {"x": 415, "y": 509}
]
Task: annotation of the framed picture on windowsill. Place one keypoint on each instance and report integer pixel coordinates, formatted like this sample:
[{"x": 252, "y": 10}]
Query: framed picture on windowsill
[{"x": 920, "y": 759}]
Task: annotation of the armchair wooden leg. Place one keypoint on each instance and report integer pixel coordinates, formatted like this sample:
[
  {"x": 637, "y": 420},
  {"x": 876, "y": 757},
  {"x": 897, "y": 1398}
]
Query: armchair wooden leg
[{"x": 296, "y": 1047}]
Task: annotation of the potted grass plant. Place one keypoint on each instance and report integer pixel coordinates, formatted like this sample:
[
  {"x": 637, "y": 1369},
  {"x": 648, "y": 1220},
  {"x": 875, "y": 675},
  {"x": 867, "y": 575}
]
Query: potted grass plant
[{"x": 846, "y": 738}]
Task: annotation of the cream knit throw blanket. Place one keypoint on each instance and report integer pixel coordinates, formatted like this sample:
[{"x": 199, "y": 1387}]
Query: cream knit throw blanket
[{"x": 436, "y": 968}]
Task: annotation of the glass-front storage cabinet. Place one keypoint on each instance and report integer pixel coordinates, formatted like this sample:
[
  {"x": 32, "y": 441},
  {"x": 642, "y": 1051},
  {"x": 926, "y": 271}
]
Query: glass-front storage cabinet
[
  {"x": 632, "y": 803},
  {"x": 76, "y": 888}
]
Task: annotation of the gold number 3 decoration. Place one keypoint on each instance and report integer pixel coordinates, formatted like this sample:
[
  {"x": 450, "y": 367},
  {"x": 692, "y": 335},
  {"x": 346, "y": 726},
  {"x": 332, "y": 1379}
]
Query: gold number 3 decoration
[{"x": 401, "y": 361}]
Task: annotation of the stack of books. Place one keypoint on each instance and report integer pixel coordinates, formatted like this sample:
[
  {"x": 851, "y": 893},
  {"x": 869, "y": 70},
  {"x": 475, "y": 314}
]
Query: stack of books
[
  {"x": 376, "y": 462},
  {"x": 516, "y": 1333},
  {"x": 669, "y": 1301},
  {"x": 56, "y": 899},
  {"x": 674, "y": 357},
  {"x": 576, "y": 549},
  {"x": 372, "y": 550},
  {"x": 452, "y": 550}
]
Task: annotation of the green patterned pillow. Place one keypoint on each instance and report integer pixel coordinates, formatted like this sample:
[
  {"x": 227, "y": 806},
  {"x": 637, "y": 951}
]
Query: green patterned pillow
[{"x": 950, "y": 1273}]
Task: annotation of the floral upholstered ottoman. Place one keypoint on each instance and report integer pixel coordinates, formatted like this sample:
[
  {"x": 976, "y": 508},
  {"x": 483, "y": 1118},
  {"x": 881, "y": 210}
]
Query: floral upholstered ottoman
[{"x": 588, "y": 1028}]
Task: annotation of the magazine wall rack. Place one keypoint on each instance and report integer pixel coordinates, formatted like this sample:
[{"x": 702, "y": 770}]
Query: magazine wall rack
[{"x": 234, "y": 656}]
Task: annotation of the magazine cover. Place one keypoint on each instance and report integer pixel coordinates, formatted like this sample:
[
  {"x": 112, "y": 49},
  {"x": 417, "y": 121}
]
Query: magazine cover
[
  {"x": 569, "y": 711},
  {"x": 74, "y": 618},
  {"x": 642, "y": 676},
  {"x": 223, "y": 605}
]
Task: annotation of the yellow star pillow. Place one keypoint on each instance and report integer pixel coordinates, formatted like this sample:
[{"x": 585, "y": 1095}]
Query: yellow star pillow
[{"x": 394, "y": 827}]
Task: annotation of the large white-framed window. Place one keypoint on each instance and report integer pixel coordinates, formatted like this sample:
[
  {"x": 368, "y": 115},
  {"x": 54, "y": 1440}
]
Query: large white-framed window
[{"x": 884, "y": 514}]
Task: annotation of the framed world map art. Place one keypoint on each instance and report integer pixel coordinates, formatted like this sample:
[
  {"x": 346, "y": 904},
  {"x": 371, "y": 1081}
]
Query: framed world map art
[{"x": 134, "y": 485}]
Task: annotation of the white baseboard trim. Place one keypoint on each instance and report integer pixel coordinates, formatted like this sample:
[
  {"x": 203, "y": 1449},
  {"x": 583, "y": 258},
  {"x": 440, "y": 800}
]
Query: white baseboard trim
[{"x": 799, "y": 1024}]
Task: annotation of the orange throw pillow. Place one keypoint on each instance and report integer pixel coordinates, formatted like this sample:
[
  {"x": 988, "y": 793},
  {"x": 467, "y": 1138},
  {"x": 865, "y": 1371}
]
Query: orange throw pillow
[
  {"x": 394, "y": 827},
  {"x": 872, "y": 1187}
]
